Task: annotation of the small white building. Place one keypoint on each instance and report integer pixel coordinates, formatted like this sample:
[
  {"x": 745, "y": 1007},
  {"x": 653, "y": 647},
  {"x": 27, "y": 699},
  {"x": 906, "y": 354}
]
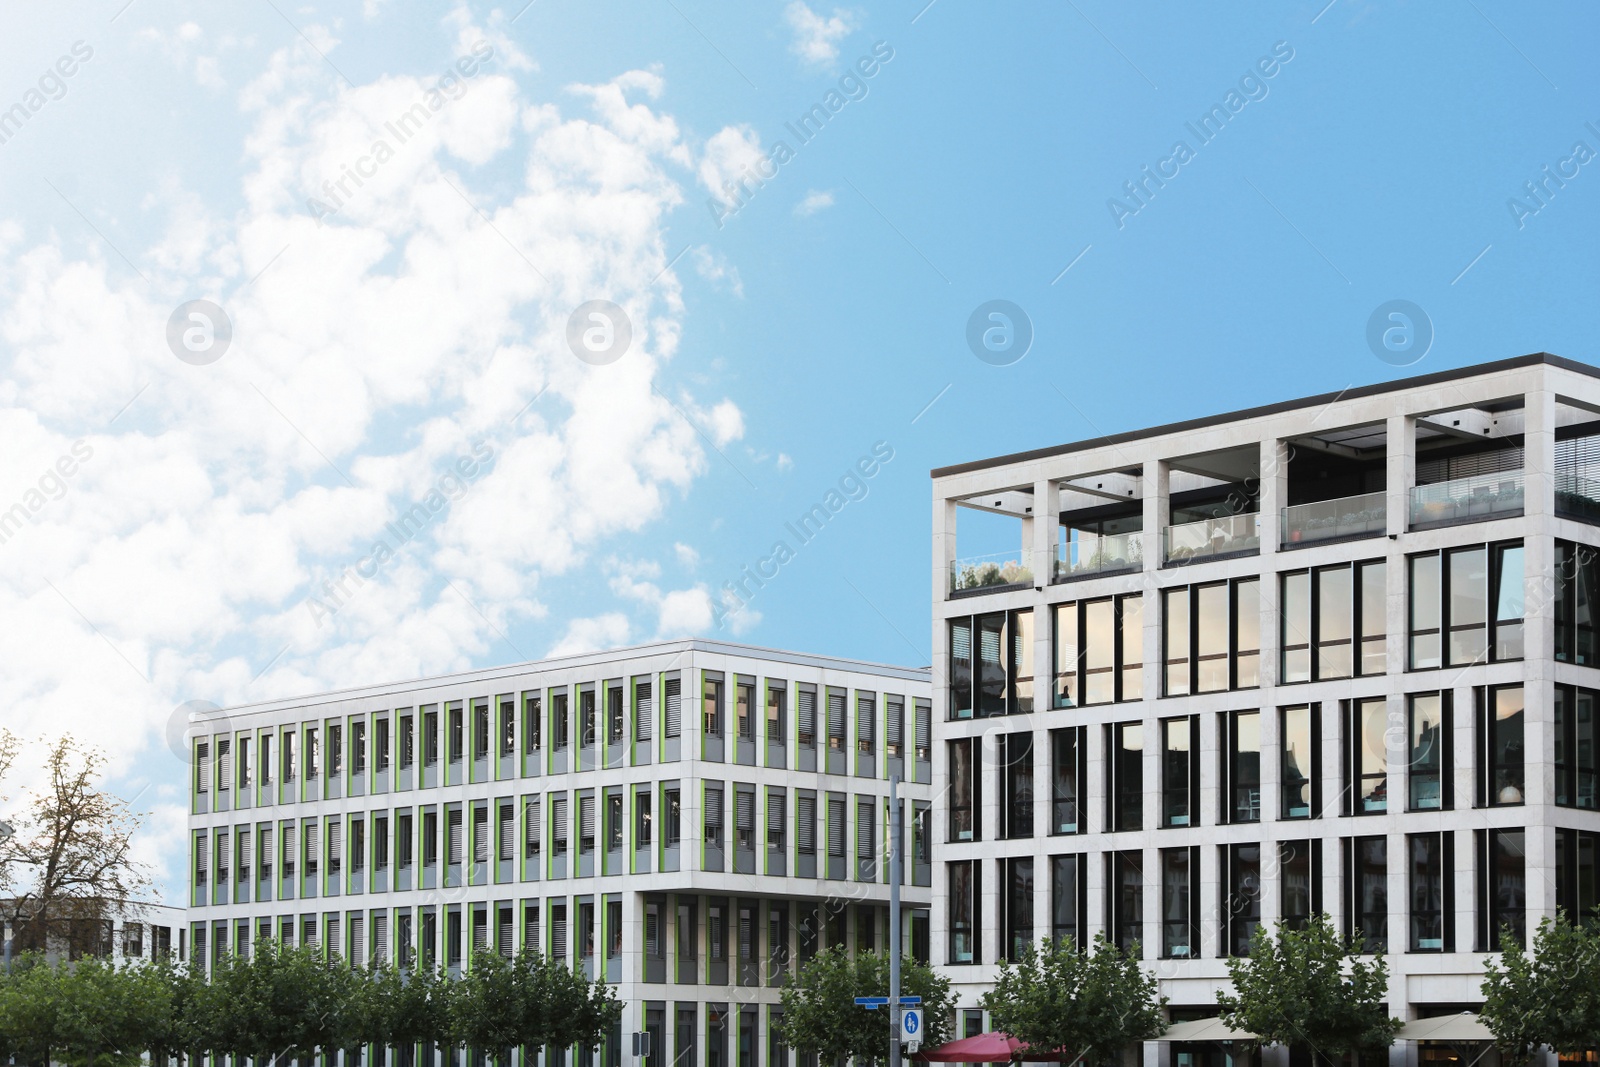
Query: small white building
[{"x": 133, "y": 930}]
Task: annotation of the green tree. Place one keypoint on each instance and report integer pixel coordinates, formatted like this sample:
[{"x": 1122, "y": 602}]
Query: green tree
[
  {"x": 108, "y": 1016},
  {"x": 1549, "y": 998},
  {"x": 530, "y": 1000},
  {"x": 279, "y": 1002},
  {"x": 819, "y": 1013},
  {"x": 1310, "y": 989},
  {"x": 1076, "y": 1005},
  {"x": 412, "y": 1008},
  {"x": 30, "y": 1000}
]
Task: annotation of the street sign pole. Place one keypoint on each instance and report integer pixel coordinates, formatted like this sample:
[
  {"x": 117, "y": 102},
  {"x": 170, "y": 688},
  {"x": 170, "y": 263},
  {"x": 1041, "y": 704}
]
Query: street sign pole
[{"x": 894, "y": 921}]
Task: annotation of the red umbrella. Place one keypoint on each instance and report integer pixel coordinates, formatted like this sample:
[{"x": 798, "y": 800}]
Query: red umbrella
[{"x": 992, "y": 1047}]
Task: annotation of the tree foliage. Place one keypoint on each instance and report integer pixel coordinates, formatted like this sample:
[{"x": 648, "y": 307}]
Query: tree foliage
[
  {"x": 70, "y": 861},
  {"x": 1310, "y": 989},
  {"x": 530, "y": 1000},
  {"x": 1551, "y": 997},
  {"x": 1074, "y": 1005},
  {"x": 820, "y": 1014}
]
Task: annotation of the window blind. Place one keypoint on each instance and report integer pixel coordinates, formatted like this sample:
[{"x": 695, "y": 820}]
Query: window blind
[
  {"x": 508, "y": 825},
  {"x": 808, "y": 717},
  {"x": 644, "y": 712},
  {"x": 453, "y": 848},
  {"x": 480, "y": 836},
  {"x": 836, "y": 827},
  {"x": 807, "y": 818},
  {"x": 674, "y": 707}
]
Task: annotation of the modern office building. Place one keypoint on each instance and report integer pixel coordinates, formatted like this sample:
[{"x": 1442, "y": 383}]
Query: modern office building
[
  {"x": 127, "y": 931},
  {"x": 687, "y": 821},
  {"x": 1334, "y": 654}
]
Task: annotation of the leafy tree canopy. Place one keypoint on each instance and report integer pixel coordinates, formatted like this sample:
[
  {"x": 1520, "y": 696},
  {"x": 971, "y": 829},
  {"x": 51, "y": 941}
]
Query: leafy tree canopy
[{"x": 820, "y": 1014}]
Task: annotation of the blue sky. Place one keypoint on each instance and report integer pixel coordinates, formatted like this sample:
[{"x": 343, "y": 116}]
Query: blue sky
[{"x": 780, "y": 334}]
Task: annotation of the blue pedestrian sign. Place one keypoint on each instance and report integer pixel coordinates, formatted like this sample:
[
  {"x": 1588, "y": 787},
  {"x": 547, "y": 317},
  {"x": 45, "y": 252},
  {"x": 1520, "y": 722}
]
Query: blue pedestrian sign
[{"x": 911, "y": 1025}]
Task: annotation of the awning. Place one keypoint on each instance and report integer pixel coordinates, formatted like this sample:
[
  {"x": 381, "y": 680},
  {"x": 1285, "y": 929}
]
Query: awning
[
  {"x": 993, "y": 1047},
  {"x": 1463, "y": 1026},
  {"x": 1205, "y": 1030}
]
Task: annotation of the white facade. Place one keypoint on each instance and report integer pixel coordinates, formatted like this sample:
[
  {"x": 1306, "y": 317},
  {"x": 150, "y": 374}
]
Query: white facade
[
  {"x": 1483, "y": 471},
  {"x": 686, "y": 820},
  {"x": 132, "y": 931}
]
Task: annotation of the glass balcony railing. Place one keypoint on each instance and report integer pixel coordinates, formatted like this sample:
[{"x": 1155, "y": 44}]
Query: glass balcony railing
[
  {"x": 1483, "y": 496},
  {"x": 1328, "y": 520},
  {"x": 1100, "y": 554},
  {"x": 1577, "y": 497},
  {"x": 994, "y": 570},
  {"x": 1211, "y": 537}
]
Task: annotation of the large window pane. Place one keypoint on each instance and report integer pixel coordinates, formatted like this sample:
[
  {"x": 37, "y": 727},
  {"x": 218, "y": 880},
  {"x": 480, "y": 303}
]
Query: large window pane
[
  {"x": 1099, "y": 652},
  {"x": 1176, "y": 763},
  {"x": 1175, "y": 641},
  {"x": 991, "y": 681},
  {"x": 1064, "y": 780},
  {"x": 961, "y": 669},
  {"x": 1067, "y": 656},
  {"x": 1506, "y": 761},
  {"x": 1244, "y": 767},
  {"x": 1369, "y": 756},
  {"x": 1427, "y": 875},
  {"x": 1244, "y": 897},
  {"x": 1127, "y": 801},
  {"x": 1426, "y": 764},
  {"x": 1065, "y": 896},
  {"x": 1469, "y": 610},
  {"x": 1296, "y": 627},
  {"x": 1127, "y": 899},
  {"x": 1019, "y": 906},
  {"x": 1508, "y": 602},
  {"x": 1177, "y": 933},
  {"x": 1508, "y": 887},
  {"x": 1335, "y": 629},
  {"x": 1374, "y": 617},
  {"x": 963, "y": 929},
  {"x": 1294, "y": 884},
  {"x": 1370, "y": 883},
  {"x": 1426, "y": 595},
  {"x": 1247, "y": 633},
  {"x": 1575, "y": 750},
  {"x": 963, "y": 790},
  {"x": 1211, "y": 638},
  {"x": 1131, "y": 610},
  {"x": 1298, "y": 766},
  {"x": 1019, "y": 785}
]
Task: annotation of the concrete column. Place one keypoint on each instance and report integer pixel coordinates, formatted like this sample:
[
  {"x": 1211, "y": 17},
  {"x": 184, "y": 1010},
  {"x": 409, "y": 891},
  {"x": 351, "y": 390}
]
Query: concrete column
[
  {"x": 1539, "y": 415},
  {"x": 1400, "y": 446},
  {"x": 1156, "y": 484},
  {"x": 943, "y": 555}
]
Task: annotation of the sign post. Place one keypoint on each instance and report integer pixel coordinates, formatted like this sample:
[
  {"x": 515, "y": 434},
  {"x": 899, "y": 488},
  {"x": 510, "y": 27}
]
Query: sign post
[{"x": 894, "y": 919}]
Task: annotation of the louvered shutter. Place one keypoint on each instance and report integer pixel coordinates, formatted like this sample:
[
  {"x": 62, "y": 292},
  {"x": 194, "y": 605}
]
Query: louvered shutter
[
  {"x": 714, "y": 815},
  {"x": 558, "y": 936},
  {"x": 534, "y": 830},
  {"x": 480, "y": 836},
  {"x": 864, "y": 832},
  {"x": 358, "y": 939},
  {"x": 335, "y": 852},
  {"x": 222, "y": 857},
  {"x": 453, "y": 853},
  {"x": 288, "y": 850},
  {"x": 508, "y": 824},
  {"x": 203, "y": 785},
  {"x": 480, "y": 931},
  {"x": 202, "y": 858},
  {"x": 674, "y": 707},
  {"x": 380, "y": 937},
  {"x": 745, "y": 811},
  {"x": 808, "y": 825},
  {"x": 224, "y": 765},
  {"x": 652, "y": 932},
  {"x": 530, "y": 928},
  {"x": 776, "y": 801},
  {"x": 924, "y": 727},
  {"x": 746, "y": 934},
  {"x": 264, "y": 853},
  {"x": 503, "y": 937},
  {"x": 331, "y": 934},
  {"x": 835, "y": 827},
  {"x": 835, "y": 718},
  {"x": 313, "y": 854},
  {"x": 866, "y": 722},
  {"x": 644, "y": 712},
  {"x": 961, "y": 642},
  {"x": 558, "y": 813},
  {"x": 808, "y": 718},
  {"x": 714, "y": 933},
  {"x": 897, "y": 725},
  {"x": 586, "y": 822},
  {"x": 244, "y": 856}
]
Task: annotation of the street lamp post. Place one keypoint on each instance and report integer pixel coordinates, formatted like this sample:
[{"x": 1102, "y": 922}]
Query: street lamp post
[
  {"x": 894, "y": 920},
  {"x": 7, "y": 832}
]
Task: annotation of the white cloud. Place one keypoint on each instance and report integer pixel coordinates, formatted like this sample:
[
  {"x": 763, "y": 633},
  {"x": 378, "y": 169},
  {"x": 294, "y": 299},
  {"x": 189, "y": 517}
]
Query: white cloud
[
  {"x": 686, "y": 554},
  {"x": 730, "y": 154},
  {"x": 816, "y": 39},
  {"x": 592, "y": 634},
  {"x": 784, "y": 461},
  {"x": 714, "y": 267},
  {"x": 372, "y": 354},
  {"x": 815, "y": 200},
  {"x": 189, "y": 48}
]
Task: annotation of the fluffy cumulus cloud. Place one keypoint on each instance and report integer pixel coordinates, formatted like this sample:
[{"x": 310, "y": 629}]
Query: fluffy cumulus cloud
[
  {"x": 814, "y": 201},
  {"x": 816, "y": 38},
  {"x": 397, "y": 449}
]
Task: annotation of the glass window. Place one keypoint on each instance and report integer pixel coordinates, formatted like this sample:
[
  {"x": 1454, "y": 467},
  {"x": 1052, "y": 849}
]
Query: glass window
[
  {"x": 1066, "y": 777},
  {"x": 1019, "y": 906},
  {"x": 963, "y": 928},
  {"x": 1099, "y": 652},
  {"x": 1578, "y": 875},
  {"x": 1425, "y": 612},
  {"x": 1373, "y": 615},
  {"x": 1575, "y": 747},
  {"x": 1429, "y": 735},
  {"x": 1507, "y": 889},
  {"x": 1018, "y": 812},
  {"x": 1175, "y": 641},
  {"x": 1066, "y": 898},
  {"x": 991, "y": 666},
  {"x": 1296, "y": 880},
  {"x": 1508, "y": 601},
  {"x": 1130, "y": 679},
  {"x": 1244, "y": 766},
  {"x": 963, "y": 790},
  {"x": 1021, "y": 662},
  {"x": 1505, "y": 752},
  {"x": 1244, "y": 896},
  {"x": 1427, "y": 891},
  {"x": 1211, "y": 638},
  {"x": 1178, "y": 781},
  {"x": 1300, "y": 765},
  {"x": 1335, "y": 622},
  {"x": 1577, "y": 572},
  {"x": 1247, "y": 633},
  {"x": 1368, "y": 881},
  {"x": 1468, "y": 570},
  {"x": 1069, "y": 654},
  {"x": 1295, "y": 623},
  {"x": 961, "y": 669},
  {"x": 1127, "y": 776},
  {"x": 1369, "y": 723},
  {"x": 1177, "y": 904},
  {"x": 1127, "y": 900}
]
